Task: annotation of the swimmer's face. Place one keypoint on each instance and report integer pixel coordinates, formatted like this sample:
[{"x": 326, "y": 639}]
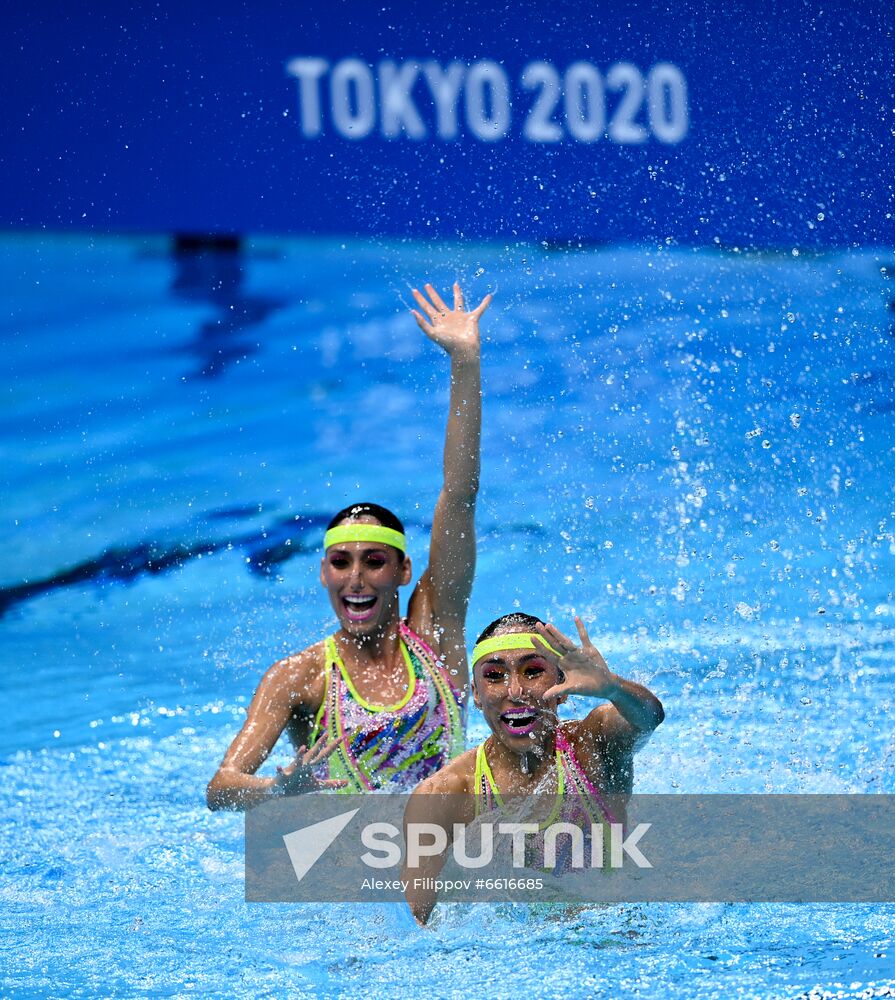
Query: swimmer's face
[
  {"x": 508, "y": 687},
  {"x": 362, "y": 580}
]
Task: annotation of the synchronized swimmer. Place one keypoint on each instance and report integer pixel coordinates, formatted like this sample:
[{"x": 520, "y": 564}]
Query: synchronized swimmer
[
  {"x": 523, "y": 670},
  {"x": 381, "y": 702}
]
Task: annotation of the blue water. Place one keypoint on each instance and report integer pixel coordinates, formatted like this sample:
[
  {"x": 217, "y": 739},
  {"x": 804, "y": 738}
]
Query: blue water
[{"x": 692, "y": 449}]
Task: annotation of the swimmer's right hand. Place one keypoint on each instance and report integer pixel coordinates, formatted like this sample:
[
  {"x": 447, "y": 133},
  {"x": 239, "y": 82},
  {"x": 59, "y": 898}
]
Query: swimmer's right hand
[
  {"x": 299, "y": 777},
  {"x": 455, "y": 330}
]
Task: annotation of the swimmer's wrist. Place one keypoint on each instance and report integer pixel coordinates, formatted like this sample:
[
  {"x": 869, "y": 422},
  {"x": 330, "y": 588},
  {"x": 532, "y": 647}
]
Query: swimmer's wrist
[
  {"x": 466, "y": 357},
  {"x": 612, "y": 689}
]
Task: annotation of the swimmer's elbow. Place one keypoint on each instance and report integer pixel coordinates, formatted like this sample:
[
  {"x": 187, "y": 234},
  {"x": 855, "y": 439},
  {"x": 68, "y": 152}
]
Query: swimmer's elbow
[
  {"x": 655, "y": 718},
  {"x": 215, "y": 794}
]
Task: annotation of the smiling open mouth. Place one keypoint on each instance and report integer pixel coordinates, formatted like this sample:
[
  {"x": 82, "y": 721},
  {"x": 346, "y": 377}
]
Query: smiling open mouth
[
  {"x": 359, "y": 607},
  {"x": 520, "y": 721}
]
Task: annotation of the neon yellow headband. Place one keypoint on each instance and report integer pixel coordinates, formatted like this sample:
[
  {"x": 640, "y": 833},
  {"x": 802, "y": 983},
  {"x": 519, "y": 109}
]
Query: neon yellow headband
[
  {"x": 512, "y": 640},
  {"x": 360, "y": 532}
]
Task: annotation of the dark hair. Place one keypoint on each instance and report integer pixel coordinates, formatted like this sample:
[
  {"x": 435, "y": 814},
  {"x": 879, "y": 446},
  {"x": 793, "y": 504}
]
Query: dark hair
[
  {"x": 382, "y": 514},
  {"x": 520, "y": 618}
]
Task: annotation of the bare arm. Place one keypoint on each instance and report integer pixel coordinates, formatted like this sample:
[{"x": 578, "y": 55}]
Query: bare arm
[
  {"x": 442, "y": 801},
  {"x": 284, "y": 689},
  {"x": 634, "y": 711},
  {"x": 443, "y": 590}
]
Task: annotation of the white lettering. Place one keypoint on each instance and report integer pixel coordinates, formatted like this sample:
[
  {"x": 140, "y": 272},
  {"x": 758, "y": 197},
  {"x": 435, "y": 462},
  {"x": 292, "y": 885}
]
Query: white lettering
[
  {"x": 518, "y": 832},
  {"x": 391, "y": 853},
  {"x": 667, "y": 102},
  {"x": 486, "y": 846},
  {"x": 445, "y": 88},
  {"x": 585, "y": 102},
  {"x": 628, "y": 79},
  {"x": 353, "y": 122},
  {"x": 596, "y": 845},
  {"x": 399, "y": 113},
  {"x": 628, "y": 846},
  {"x": 539, "y": 125},
  {"x": 575, "y": 104},
  {"x": 387, "y": 884},
  {"x": 308, "y": 71},
  {"x": 577, "y": 838},
  {"x": 416, "y": 849},
  {"x": 487, "y": 84}
]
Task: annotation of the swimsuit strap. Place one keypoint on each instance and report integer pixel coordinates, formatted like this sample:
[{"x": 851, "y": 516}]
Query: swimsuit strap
[
  {"x": 342, "y": 765},
  {"x": 321, "y": 719},
  {"x": 579, "y": 781},
  {"x": 486, "y": 788},
  {"x": 448, "y": 694},
  {"x": 436, "y": 731},
  {"x": 483, "y": 788},
  {"x": 332, "y": 650}
]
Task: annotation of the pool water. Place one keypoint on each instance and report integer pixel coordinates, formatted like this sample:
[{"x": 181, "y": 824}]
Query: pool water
[{"x": 692, "y": 449}]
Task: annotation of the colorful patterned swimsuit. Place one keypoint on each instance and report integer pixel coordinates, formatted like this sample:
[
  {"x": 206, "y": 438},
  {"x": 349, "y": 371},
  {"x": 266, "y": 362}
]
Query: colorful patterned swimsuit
[
  {"x": 390, "y": 747},
  {"x": 577, "y": 800}
]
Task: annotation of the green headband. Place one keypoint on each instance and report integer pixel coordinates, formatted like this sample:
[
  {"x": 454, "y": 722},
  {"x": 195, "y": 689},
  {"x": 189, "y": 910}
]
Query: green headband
[
  {"x": 513, "y": 640},
  {"x": 360, "y": 532}
]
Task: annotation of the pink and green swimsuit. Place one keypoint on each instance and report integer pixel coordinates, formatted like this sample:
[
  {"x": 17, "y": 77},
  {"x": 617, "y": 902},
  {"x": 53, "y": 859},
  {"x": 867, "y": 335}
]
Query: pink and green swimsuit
[
  {"x": 390, "y": 747},
  {"x": 577, "y": 800}
]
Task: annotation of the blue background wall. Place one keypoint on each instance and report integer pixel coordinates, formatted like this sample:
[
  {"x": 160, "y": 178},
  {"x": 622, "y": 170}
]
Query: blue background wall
[{"x": 186, "y": 116}]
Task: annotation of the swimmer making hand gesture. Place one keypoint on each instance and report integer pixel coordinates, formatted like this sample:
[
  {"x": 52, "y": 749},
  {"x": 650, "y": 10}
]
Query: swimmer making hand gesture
[
  {"x": 380, "y": 704},
  {"x": 522, "y": 671}
]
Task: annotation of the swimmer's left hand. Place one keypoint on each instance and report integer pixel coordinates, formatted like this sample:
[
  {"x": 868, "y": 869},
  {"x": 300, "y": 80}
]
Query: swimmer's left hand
[
  {"x": 585, "y": 670},
  {"x": 298, "y": 777},
  {"x": 455, "y": 330}
]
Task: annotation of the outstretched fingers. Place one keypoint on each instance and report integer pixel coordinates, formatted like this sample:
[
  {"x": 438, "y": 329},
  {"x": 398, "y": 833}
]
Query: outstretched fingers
[
  {"x": 425, "y": 326},
  {"x": 582, "y": 632},
  {"x": 425, "y": 305},
  {"x": 561, "y": 643},
  {"x": 436, "y": 299},
  {"x": 546, "y": 648},
  {"x": 555, "y": 692},
  {"x": 321, "y": 750},
  {"x": 482, "y": 306},
  {"x": 458, "y": 296}
]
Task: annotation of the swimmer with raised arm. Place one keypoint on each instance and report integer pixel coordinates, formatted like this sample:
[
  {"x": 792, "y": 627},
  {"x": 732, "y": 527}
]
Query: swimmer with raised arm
[
  {"x": 380, "y": 703},
  {"x": 522, "y": 671}
]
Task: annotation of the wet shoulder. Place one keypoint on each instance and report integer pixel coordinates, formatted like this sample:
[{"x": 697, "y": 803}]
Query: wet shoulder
[
  {"x": 455, "y": 778},
  {"x": 302, "y": 675},
  {"x": 611, "y": 773}
]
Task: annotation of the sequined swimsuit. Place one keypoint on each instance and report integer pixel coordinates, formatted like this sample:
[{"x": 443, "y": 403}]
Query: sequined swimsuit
[
  {"x": 577, "y": 800},
  {"x": 390, "y": 747}
]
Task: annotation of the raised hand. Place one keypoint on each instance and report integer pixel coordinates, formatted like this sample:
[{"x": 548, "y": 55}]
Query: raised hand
[
  {"x": 298, "y": 777},
  {"x": 455, "y": 330},
  {"x": 585, "y": 670}
]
